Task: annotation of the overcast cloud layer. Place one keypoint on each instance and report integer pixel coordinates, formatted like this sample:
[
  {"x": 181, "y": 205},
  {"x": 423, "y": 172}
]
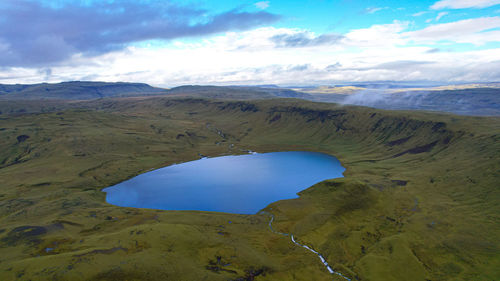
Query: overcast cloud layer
[{"x": 165, "y": 43}]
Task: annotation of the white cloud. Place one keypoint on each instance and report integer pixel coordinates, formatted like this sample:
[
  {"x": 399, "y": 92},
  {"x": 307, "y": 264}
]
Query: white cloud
[
  {"x": 372, "y": 10},
  {"x": 420, "y": 14},
  {"x": 474, "y": 31},
  {"x": 377, "y": 35},
  {"x": 262, "y": 5},
  {"x": 462, "y": 4},
  {"x": 440, "y": 15}
]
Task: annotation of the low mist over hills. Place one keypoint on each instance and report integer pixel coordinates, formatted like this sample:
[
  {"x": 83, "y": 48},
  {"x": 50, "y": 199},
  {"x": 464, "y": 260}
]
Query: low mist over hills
[{"x": 467, "y": 100}]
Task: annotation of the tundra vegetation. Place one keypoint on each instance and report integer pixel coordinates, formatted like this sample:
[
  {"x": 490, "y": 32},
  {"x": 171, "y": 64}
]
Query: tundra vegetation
[{"x": 419, "y": 200}]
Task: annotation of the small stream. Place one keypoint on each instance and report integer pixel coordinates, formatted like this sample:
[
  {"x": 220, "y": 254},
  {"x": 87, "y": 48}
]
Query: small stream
[{"x": 328, "y": 267}]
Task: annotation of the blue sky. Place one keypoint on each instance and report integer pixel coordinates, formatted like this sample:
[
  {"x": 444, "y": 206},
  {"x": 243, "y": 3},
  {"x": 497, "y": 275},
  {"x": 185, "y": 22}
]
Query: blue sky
[{"x": 311, "y": 42}]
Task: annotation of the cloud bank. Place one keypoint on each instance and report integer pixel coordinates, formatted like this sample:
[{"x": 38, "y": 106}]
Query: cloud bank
[
  {"x": 34, "y": 34},
  {"x": 463, "y": 4},
  {"x": 304, "y": 39}
]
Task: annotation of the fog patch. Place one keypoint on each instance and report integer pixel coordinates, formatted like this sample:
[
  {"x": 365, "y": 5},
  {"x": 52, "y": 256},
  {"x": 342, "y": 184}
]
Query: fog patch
[
  {"x": 479, "y": 101},
  {"x": 382, "y": 98}
]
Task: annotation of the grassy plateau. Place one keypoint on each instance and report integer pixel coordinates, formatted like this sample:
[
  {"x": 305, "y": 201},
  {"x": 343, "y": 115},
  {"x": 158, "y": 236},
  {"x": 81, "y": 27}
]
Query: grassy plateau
[{"x": 420, "y": 199}]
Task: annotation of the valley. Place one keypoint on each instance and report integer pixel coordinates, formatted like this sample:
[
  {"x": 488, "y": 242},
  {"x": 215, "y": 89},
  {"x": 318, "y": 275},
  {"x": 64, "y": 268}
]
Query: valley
[{"x": 419, "y": 199}]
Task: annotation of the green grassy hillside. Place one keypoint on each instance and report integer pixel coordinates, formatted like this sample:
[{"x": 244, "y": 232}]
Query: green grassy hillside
[{"x": 419, "y": 201}]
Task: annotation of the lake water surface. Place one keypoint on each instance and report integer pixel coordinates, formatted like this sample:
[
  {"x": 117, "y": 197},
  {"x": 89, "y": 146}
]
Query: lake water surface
[{"x": 242, "y": 184}]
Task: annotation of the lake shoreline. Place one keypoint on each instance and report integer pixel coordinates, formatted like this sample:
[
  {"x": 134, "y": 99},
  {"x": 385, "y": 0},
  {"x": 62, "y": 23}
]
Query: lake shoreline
[{"x": 237, "y": 184}]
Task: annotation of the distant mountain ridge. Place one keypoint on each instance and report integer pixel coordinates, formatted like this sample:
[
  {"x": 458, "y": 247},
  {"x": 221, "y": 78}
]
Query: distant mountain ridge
[
  {"x": 77, "y": 90},
  {"x": 84, "y": 90},
  {"x": 237, "y": 92},
  {"x": 474, "y": 99}
]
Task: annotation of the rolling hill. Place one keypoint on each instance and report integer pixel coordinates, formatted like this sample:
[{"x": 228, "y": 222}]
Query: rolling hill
[{"x": 76, "y": 90}]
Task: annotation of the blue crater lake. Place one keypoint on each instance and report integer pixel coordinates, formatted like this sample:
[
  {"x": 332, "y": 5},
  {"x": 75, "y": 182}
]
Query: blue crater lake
[{"x": 242, "y": 184}]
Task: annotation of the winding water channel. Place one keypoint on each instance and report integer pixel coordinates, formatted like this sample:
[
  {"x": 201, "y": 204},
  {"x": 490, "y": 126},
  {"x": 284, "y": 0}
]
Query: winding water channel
[{"x": 323, "y": 260}]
